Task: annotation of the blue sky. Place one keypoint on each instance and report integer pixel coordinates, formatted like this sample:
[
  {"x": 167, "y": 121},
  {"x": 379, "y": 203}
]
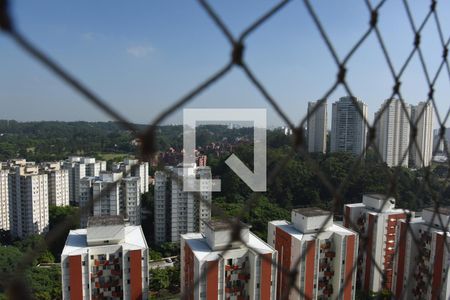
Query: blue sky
[{"x": 141, "y": 56}]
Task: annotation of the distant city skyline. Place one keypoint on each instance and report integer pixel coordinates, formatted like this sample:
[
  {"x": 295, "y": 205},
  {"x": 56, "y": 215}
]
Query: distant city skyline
[{"x": 130, "y": 56}]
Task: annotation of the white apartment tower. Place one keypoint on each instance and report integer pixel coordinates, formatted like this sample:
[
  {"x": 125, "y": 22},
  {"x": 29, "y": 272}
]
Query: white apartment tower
[
  {"x": 113, "y": 195},
  {"x": 58, "y": 185},
  {"x": 348, "y": 127},
  {"x": 138, "y": 169},
  {"x": 392, "y": 132},
  {"x": 239, "y": 271},
  {"x": 178, "y": 212},
  {"x": 28, "y": 196},
  {"x": 317, "y": 126},
  {"x": 321, "y": 252},
  {"x": 422, "y": 152},
  {"x": 86, "y": 197},
  {"x": 108, "y": 260},
  {"x": 130, "y": 199},
  {"x": 106, "y": 190},
  {"x": 423, "y": 260},
  {"x": 4, "y": 200},
  {"x": 93, "y": 167},
  {"x": 376, "y": 218},
  {"x": 77, "y": 170}
]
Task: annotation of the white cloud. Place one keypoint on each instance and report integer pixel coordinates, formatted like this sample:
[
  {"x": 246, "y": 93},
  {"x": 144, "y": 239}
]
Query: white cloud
[{"x": 140, "y": 51}]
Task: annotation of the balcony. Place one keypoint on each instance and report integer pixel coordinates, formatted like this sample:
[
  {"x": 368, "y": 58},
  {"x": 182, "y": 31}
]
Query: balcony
[
  {"x": 328, "y": 273},
  {"x": 324, "y": 266},
  {"x": 116, "y": 272},
  {"x": 390, "y": 251},
  {"x": 330, "y": 254},
  {"x": 244, "y": 277},
  {"x": 328, "y": 291},
  {"x": 326, "y": 245},
  {"x": 322, "y": 284}
]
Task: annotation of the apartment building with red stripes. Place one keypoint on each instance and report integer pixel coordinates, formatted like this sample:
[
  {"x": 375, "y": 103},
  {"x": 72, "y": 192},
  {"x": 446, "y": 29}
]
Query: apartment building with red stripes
[
  {"x": 423, "y": 259},
  {"x": 321, "y": 252},
  {"x": 375, "y": 220},
  {"x": 215, "y": 267},
  {"x": 106, "y": 260}
]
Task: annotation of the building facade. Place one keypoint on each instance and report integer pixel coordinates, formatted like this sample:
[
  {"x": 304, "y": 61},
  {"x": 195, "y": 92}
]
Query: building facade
[
  {"x": 28, "y": 198},
  {"x": 176, "y": 211},
  {"x": 140, "y": 170},
  {"x": 86, "y": 198},
  {"x": 58, "y": 185},
  {"x": 244, "y": 271},
  {"x": 348, "y": 127},
  {"x": 322, "y": 253},
  {"x": 106, "y": 192},
  {"x": 110, "y": 195},
  {"x": 130, "y": 199},
  {"x": 393, "y": 129},
  {"x": 375, "y": 218},
  {"x": 421, "y": 152},
  {"x": 423, "y": 259},
  {"x": 77, "y": 170},
  {"x": 93, "y": 167},
  {"x": 317, "y": 126},
  {"x": 4, "y": 200},
  {"x": 108, "y": 260}
]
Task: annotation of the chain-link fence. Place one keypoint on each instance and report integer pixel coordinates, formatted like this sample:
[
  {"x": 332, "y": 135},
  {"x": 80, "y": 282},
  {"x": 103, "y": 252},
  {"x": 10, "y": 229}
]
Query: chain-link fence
[{"x": 15, "y": 282}]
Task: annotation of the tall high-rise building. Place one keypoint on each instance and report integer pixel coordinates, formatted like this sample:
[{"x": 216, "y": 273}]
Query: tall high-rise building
[
  {"x": 130, "y": 199},
  {"x": 108, "y": 260},
  {"x": 140, "y": 170},
  {"x": 376, "y": 217},
  {"x": 317, "y": 126},
  {"x": 86, "y": 197},
  {"x": 421, "y": 152},
  {"x": 227, "y": 269},
  {"x": 93, "y": 167},
  {"x": 58, "y": 184},
  {"x": 322, "y": 253},
  {"x": 392, "y": 132},
  {"x": 348, "y": 128},
  {"x": 176, "y": 211},
  {"x": 28, "y": 198},
  {"x": 107, "y": 192},
  {"x": 423, "y": 259},
  {"x": 113, "y": 195},
  {"x": 77, "y": 170},
  {"x": 4, "y": 200}
]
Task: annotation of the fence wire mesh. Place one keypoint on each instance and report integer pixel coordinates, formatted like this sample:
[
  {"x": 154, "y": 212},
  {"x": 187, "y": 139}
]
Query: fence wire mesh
[{"x": 15, "y": 283}]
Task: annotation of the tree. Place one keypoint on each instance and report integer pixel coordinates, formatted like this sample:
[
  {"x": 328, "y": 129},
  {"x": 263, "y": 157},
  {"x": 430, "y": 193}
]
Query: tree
[
  {"x": 9, "y": 258},
  {"x": 46, "y": 257},
  {"x": 58, "y": 214},
  {"x": 45, "y": 283},
  {"x": 170, "y": 249},
  {"x": 159, "y": 279},
  {"x": 57, "y": 217},
  {"x": 154, "y": 255}
]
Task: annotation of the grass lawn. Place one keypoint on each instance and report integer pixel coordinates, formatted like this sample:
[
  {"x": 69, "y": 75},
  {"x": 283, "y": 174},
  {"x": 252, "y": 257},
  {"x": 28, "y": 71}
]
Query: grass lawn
[{"x": 112, "y": 156}]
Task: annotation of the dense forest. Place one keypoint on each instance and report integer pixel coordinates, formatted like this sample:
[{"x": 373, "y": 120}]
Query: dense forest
[{"x": 54, "y": 140}]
